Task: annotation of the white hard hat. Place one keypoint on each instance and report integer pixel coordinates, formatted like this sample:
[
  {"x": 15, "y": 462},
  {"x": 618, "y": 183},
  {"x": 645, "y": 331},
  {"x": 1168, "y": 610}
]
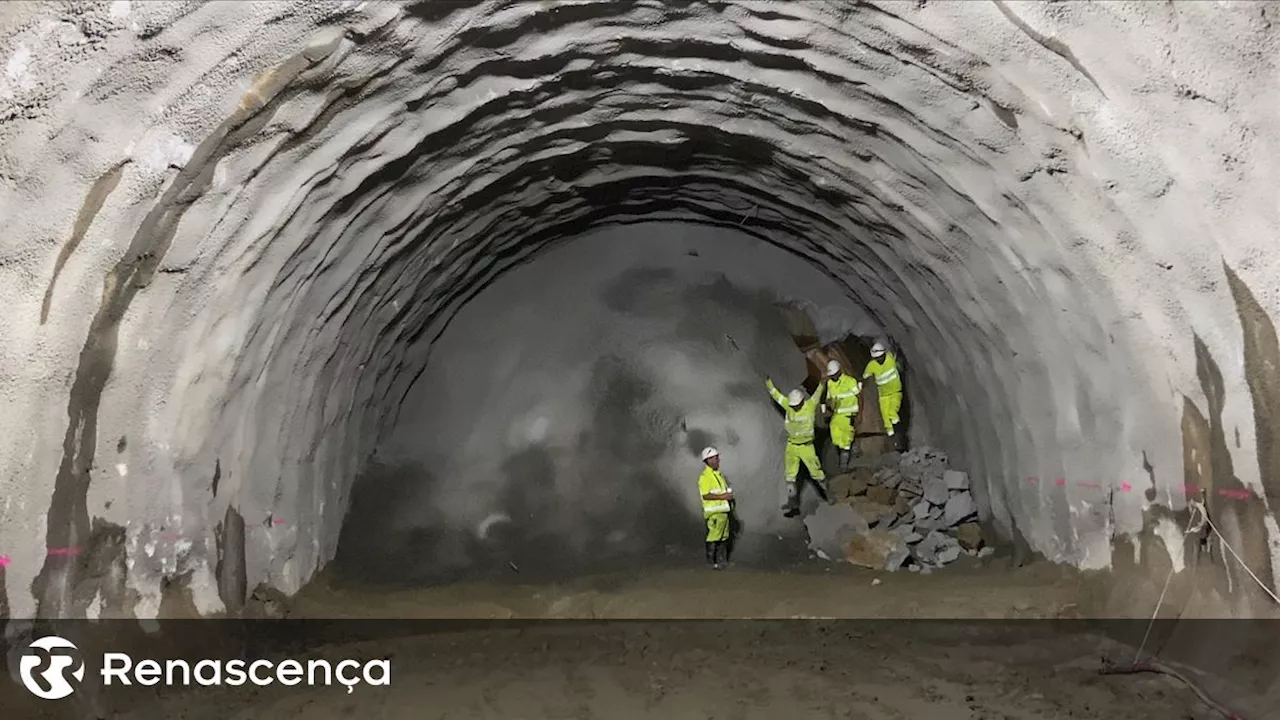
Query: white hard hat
[
  {"x": 877, "y": 350},
  {"x": 796, "y": 397},
  {"x": 833, "y": 367},
  {"x": 708, "y": 453}
]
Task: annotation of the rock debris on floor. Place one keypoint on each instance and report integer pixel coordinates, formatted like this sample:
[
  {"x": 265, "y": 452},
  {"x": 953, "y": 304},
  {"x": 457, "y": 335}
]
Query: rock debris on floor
[{"x": 907, "y": 510}]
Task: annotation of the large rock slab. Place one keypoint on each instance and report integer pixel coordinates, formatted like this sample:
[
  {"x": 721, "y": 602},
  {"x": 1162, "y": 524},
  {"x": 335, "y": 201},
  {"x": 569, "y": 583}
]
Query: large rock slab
[
  {"x": 876, "y": 549},
  {"x": 831, "y": 526},
  {"x": 960, "y": 507}
]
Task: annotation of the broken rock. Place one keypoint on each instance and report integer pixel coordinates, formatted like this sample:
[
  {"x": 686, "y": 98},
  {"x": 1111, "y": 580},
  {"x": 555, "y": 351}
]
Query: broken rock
[
  {"x": 970, "y": 536},
  {"x": 872, "y": 511},
  {"x": 888, "y": 477},
  {"x": 908, "y": 534},
  {"x": 921, "y": 510},
  {"x": 831, "y": 526},
  {"x": 960, "y": 507},
  {"x": 956, "y": 480},
  {"x": 875, "y": 549},
  {"x": 948, "y": 554},
  {"x": 935, "y": 490},
  {"x": 882, "y": 495},
  {"x": 902, "y": 505}
]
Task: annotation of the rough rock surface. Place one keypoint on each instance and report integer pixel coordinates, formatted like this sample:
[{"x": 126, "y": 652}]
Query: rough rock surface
[
  {"x": 233, "y": 231},
  {"x": 831, "y": 527},
  {"x": 876, "y": 549}
]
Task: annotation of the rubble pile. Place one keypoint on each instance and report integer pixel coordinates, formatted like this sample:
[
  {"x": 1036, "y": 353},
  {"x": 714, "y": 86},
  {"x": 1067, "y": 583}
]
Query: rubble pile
[{"x": 916, "y": 513}]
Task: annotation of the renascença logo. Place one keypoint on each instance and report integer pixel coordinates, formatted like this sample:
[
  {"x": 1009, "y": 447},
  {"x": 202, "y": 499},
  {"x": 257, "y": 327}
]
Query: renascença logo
[
  {"x": 45, "y": 665},
  {"x": 47, "y": 662}
]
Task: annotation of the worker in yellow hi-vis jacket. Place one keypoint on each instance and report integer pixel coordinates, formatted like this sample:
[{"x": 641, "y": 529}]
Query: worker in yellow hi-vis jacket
[
  {"x": 884, "y": 368},
  {"x": 842, "y": 397},
  {"x": 716, "y": 505},
  {"x": 800, "y": 421}
]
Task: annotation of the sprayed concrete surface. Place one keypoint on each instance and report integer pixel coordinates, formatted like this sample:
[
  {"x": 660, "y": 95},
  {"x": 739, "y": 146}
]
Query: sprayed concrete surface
[
  {"x": 233, "y": 231},
  {"x": 558, "y": 420}
]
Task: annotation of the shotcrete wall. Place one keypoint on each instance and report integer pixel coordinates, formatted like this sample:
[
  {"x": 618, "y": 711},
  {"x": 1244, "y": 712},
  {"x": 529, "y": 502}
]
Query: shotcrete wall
[
  {"x": 234, "y": 229},
  {"x": 558, "y": 421}
]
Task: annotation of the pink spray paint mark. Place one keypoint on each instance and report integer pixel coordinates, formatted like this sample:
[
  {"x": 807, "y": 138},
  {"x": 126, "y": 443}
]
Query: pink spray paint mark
[
  {"x": 1235, "y": 494},
  {"x": 1126, "y": 487},
  {"x": 4, "y": 561},
  {"x": 1191, "y": 489},
  {"x": 277, "y": 521},
  {"x": 1094, "y": 486},
  {"x": 1060, "y": 482},
  {"x": 64, "y": 551}
]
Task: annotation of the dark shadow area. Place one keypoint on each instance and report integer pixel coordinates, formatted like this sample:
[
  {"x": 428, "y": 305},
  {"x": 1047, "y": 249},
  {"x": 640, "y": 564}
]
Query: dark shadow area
[{"x": 616, "y": 517}]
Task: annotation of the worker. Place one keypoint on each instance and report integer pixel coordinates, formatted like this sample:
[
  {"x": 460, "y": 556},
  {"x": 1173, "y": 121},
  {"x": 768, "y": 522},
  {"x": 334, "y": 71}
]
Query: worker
[
  {"x": 842, "y": 396},
  {"x": 801, "y": 418},
  {"x": 716, "y": 507},
  {"x": 884, "y": 368}
]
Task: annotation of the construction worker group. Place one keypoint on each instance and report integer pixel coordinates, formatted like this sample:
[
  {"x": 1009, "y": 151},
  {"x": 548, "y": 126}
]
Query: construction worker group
[{"x": 841, "y": 391}]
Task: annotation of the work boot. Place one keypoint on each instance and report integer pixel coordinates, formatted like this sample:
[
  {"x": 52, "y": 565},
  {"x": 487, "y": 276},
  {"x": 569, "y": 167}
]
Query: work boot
[
  {"x": 711, "y": 554},
  {"x": 724, "y": 552},
  {"x": 842, "y": 460},
  {"x": 824, "y": 488},
  {"x": 792, "y": 507}
]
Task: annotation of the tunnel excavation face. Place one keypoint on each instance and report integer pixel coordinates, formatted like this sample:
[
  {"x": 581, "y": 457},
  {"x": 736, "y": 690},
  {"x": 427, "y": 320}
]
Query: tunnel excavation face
[
  {"x": 291, "y": 206},
  {"x": 556, "y": 428}
]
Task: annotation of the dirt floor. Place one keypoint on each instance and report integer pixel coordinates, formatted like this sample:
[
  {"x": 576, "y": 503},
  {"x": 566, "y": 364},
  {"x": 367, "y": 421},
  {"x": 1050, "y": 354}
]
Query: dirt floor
[
  {"x": 969, "y": 588},
  {"x": 600, "y": 662},
  {"x": 730, "y": 670}
]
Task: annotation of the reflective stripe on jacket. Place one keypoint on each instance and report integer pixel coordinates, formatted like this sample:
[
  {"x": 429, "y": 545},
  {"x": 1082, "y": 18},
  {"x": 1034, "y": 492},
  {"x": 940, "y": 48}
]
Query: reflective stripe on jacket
[
  {"x": 712, "y": 481},
  {"x": 842, "y": 394},
  {"x": 800, "y": 421},
  {"x": 885, "y": 371}
]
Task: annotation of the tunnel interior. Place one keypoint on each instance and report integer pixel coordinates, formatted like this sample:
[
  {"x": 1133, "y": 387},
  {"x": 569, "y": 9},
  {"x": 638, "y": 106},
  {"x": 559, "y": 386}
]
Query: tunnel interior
[
  {"x": 258, "y": 273},
  {"x": 556, "y": 425}
]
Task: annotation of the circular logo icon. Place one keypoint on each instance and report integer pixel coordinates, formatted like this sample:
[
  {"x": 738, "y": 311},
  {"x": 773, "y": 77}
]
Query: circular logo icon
[{"x": 47, "y": 663}]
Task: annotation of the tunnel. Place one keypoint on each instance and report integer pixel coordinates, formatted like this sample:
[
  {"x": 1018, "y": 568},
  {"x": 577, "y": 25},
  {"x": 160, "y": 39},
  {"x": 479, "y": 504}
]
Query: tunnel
[{"x": 421, "y": 292}]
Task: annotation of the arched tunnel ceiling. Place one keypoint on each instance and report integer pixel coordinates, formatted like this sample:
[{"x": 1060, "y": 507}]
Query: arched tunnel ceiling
[{"x": 246, "y": 222}]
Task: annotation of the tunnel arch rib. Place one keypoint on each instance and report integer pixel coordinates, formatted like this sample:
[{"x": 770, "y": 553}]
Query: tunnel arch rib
[{"x": 1000, "y": 215}]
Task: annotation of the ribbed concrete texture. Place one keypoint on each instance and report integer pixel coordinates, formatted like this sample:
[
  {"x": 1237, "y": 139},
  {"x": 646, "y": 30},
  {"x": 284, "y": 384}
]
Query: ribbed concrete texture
[{"x": 232, "y": 232}]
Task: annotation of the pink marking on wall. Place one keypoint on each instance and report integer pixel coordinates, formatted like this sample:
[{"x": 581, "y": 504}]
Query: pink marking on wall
[
  {"x": 1060, "y": 482},
  {"x": 1094, "y": 486},
  {"x": 277, "y": 521},
  {"x": 4, "y": 561},
  {"x": 64, "y": 551},
  {"x": 1235, "y": 494},
  {"x": 1126, "y": 487}
]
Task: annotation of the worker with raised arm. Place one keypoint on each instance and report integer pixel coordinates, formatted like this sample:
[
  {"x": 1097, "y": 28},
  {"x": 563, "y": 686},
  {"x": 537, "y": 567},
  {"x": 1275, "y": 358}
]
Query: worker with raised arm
[
  {"x": 716, "y": 506},
  {"x": 884, "y": 368},
  {"x": 842, "y": 397},
  {"x": 801, "y": 417}
]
